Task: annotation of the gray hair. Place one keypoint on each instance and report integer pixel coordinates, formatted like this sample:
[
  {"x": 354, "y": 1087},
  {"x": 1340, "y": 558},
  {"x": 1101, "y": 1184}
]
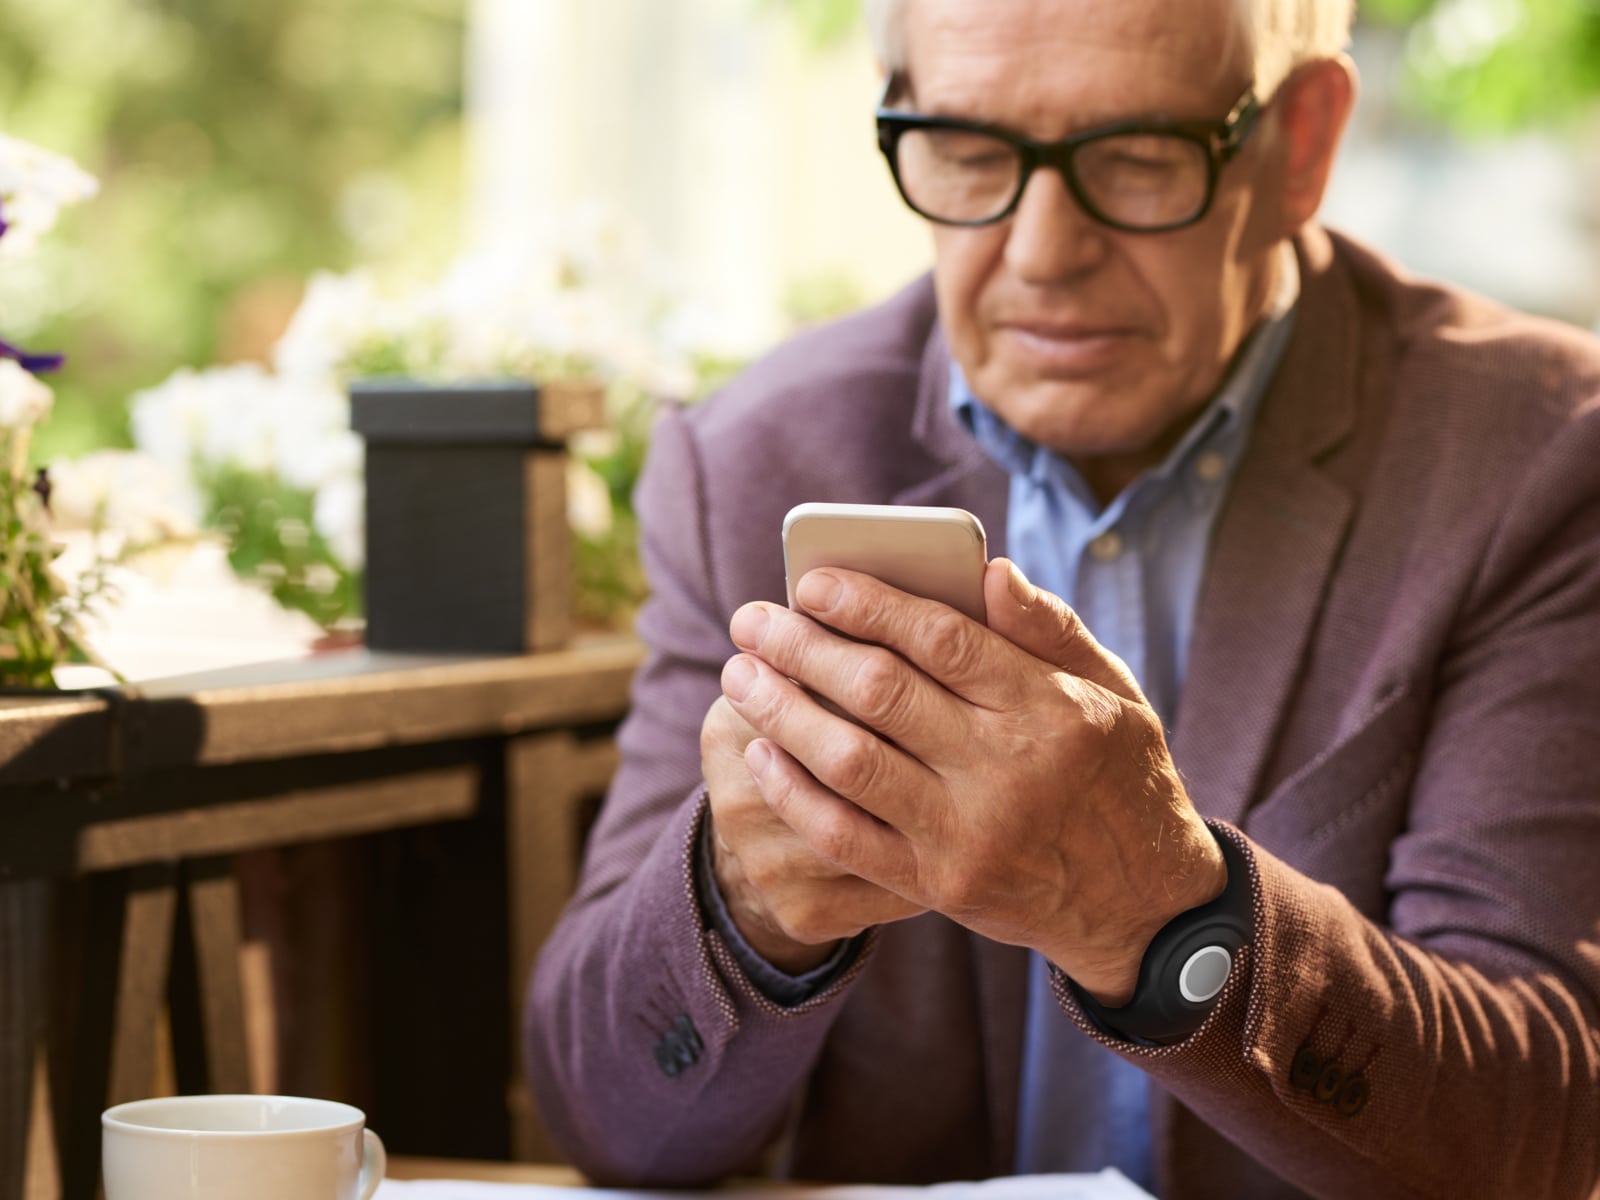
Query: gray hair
[{"x": 1282, "y": 33}]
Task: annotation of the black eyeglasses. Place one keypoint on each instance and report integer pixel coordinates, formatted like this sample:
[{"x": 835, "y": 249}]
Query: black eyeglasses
[{"x": 1137, "y": 176}]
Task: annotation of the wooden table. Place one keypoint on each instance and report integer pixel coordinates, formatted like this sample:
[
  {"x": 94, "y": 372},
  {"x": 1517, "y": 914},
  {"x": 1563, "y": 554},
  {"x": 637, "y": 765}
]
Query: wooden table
[
  {"x": 455, "y": 1168},
  {"x": 142, "y": 796}
]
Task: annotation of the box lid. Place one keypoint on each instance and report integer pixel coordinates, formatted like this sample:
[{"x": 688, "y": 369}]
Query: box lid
[{"x": 514, "y": 411}]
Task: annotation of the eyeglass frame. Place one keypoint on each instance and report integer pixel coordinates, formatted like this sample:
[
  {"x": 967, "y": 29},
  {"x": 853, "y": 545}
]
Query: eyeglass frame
[{"x": 1221, "y": 140}]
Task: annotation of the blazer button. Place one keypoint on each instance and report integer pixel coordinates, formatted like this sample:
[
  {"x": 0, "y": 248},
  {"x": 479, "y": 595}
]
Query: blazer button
[
  {"x": 1352, "y": 1097},
  {"x": 1329, "y": 1082},
  {"x": 679, "y": 1048},
  {"x": 1306, "y": 1069}
]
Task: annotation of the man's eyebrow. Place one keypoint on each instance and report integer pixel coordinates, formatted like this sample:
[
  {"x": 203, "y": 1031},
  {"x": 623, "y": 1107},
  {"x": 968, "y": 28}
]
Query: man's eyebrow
[
  {"x": 1079, "y": 125},
  {"x": 901, "y": 96}
]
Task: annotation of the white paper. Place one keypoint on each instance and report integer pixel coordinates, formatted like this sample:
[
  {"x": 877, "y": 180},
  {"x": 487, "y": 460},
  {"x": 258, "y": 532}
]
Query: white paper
[{"x": 1109, "y": 1184}]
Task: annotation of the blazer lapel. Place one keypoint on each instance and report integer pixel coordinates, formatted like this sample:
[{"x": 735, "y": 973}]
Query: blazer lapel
[
  {"x": 965, "y": 477},
  {"x": 1274, "y": 548}
]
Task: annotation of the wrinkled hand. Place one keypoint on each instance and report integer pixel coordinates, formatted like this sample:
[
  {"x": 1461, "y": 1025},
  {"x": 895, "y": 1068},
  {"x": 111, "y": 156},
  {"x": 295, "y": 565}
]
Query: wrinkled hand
[
  {"x": 791, "y": 905},
  {"x": 1012, "y": 777}
]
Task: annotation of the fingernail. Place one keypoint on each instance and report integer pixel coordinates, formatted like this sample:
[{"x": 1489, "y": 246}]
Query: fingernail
[
  {"x": 818, "y": 591},
  {"x": 1021, "y": 590},
  {"x": 738, "y": 677},
  {"x": 758, "y": 757},
  {"x": 748, "y": 624}
]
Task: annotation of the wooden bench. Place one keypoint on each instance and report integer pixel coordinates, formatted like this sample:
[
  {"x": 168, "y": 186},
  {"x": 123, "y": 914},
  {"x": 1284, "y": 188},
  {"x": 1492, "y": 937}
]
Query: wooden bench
[{"x": 121, "y": 814}]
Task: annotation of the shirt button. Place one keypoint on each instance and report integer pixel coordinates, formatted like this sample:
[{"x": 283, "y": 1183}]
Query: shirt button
[
  {"x": 1210, "y": 467},
  {"x": 1107, "y": 546}
]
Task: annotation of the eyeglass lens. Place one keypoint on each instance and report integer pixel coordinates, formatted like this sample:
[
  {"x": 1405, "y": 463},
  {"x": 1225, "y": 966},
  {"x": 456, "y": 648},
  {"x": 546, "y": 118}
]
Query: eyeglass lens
[{"x": 1139, "y": 180}]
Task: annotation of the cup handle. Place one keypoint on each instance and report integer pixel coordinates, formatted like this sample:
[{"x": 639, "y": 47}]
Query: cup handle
[{"x": 373, "y": 1163}]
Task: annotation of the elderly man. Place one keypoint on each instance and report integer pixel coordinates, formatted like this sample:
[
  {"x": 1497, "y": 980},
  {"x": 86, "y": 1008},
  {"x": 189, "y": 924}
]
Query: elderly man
[{"x": 1337, "y": 532}]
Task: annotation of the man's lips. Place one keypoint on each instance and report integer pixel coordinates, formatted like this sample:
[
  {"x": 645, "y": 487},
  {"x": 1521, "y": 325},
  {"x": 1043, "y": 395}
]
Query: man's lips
[{"x": 1066, "y": 345}]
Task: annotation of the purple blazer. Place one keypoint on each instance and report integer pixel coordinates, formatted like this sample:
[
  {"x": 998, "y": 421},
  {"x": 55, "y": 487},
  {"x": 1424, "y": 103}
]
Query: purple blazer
[{"x": 1393, "y": 692}]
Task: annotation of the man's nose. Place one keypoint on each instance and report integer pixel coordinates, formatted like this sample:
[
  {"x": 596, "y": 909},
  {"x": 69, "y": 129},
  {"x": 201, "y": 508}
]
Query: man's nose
[{"x": 1052, "y": 238}]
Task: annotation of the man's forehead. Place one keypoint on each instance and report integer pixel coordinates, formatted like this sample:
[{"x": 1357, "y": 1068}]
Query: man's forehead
[{"x": 960, "y": 53}]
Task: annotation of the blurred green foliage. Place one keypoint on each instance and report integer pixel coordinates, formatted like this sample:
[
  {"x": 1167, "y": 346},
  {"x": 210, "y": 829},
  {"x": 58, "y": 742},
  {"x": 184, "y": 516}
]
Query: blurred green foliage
[
  {"x": 239, "y": 146},
  {"x": 1491, "y": 66},
  {"x": 273, "y": 542}
]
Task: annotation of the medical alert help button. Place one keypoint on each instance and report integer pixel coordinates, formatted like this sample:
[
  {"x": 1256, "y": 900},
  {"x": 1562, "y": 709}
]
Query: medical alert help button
[{"x": 1204, "y": 974}]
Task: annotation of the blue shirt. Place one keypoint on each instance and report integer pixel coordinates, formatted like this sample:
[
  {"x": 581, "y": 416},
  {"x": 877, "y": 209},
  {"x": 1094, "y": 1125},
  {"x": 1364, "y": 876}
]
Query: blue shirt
[{"x": 1132, "y": 572}]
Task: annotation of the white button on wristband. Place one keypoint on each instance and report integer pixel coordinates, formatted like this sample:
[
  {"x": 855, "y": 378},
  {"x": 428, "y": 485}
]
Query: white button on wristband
[{"x": 1204, "y": 974}]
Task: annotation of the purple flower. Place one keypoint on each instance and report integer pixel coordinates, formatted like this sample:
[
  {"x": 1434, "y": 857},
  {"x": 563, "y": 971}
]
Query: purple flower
[{"x": 37, "y": 364}]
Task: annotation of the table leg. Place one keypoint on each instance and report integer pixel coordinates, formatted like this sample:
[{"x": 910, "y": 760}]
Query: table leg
[
  {"x": 121, "y": 982},
  {"x": 24, "y": 928},
  {"x": 207, "y": 998}
]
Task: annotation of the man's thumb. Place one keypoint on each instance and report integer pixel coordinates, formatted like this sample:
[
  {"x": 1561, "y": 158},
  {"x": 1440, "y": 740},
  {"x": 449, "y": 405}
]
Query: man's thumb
[{"x": 1041, "y": 624}]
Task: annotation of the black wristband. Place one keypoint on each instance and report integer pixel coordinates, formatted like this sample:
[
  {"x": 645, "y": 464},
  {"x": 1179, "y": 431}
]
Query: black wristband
[{"x": 1186, "y": 965}]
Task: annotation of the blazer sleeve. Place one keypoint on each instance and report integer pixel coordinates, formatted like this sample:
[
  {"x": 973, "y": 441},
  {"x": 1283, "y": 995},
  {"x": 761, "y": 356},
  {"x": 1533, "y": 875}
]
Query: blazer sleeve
[
  {"x": 652, "y": 1057},
  {"x": 1454, "y": 1049}
]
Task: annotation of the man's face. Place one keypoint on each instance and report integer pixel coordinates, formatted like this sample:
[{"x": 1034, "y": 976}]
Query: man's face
[{"x": 1097, "y": 343}]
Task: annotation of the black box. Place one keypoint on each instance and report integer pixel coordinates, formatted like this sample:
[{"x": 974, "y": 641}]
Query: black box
[{"x": 468, "y": 548}]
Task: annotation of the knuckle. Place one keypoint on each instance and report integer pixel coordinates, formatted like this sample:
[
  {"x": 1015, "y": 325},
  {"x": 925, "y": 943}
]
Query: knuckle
[
  {"x": 802, "y": 927},
  {"x": 806, "y": 918},
  {"x": 879, "y": 685},
  {"x": 763, "y": 871},
  {"x": 950, "y": 643},
  {"x": 1140, "y": 732},
  {"x": 723, "y": 727},
  {"x": 832, "y": 838},
  {"x": 853, "y": 765},
  {"x": 766, "y": 702},
  {"x": 789, "y": 642}
]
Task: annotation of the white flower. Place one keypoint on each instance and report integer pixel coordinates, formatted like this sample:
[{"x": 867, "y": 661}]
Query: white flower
[
  {"x": 123, "y": 492},
  {"x": 202, "y": 418},
  {"x": 590, "y": 295},
  {"x": 588, "y": 500},
  {"x": 337, "y": 314},
  {"x": 306, "y": 423},
  {"x": 34, "y": 186},
  {"x": 24, "y": 401},
  {"x": 340, "y": 517},
  {"x": 241, "y": 416}
]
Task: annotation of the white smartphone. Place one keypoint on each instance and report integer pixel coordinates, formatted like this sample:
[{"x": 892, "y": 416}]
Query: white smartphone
[{"x": 938, "y": 553}]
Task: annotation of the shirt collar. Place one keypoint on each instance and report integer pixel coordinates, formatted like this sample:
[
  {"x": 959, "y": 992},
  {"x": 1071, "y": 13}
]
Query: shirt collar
[{"x": 1223, "y": 429}]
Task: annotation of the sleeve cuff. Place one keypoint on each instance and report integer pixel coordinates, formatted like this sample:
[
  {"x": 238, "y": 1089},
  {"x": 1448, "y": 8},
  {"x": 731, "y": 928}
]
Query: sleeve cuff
[{"x": 775, "y": 984}]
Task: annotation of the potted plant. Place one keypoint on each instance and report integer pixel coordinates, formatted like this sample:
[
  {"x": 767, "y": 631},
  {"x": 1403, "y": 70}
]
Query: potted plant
[{"x": 39, "y": 611}]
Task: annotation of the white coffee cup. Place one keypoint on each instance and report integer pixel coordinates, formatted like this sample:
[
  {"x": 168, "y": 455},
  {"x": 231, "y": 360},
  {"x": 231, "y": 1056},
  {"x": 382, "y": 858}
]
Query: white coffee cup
[{"x": 239, "y": 1148}]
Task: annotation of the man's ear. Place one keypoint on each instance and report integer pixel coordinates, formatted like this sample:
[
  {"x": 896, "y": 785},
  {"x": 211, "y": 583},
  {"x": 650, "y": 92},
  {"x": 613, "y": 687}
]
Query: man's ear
[{"x": 1313, "y": 104}]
